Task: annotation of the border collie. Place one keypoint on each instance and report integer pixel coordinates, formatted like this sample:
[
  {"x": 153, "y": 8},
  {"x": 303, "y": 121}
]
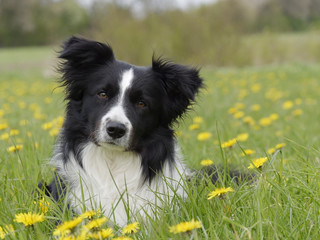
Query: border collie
[{"x": 117, "y": 149}]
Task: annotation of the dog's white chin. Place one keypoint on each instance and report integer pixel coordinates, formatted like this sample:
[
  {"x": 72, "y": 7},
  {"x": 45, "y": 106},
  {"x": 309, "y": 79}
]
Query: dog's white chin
[{"x": 112, "y": 146}]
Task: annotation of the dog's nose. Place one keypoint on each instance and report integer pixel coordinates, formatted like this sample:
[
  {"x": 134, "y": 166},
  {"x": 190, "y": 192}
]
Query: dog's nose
[{"x": 116, "y": 129}]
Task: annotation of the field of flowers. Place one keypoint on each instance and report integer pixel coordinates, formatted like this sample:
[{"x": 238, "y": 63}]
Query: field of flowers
[{"x": 263, "y": 121}]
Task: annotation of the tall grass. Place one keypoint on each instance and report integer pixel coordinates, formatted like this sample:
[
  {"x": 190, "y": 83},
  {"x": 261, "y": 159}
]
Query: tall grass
[{"x": 281, "y": 203}]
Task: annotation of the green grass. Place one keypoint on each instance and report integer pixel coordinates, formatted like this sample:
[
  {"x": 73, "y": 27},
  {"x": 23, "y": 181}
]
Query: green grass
[{"x": 282, "y": 203}]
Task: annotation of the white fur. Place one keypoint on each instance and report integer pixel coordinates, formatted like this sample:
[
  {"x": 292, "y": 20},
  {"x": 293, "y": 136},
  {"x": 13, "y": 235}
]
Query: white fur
[
  {"x": 117, "y": 113},
  {"x": 111, "y": 179},
  {"x": 127, "y": 77}
]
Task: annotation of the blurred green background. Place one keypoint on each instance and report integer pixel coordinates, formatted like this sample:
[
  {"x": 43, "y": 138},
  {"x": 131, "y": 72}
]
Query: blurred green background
[{"x": 218, "y": 33}]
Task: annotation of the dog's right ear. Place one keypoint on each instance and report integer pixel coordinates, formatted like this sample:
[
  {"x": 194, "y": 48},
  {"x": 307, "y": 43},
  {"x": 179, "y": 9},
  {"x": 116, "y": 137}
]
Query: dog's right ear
[
  {"x": 79, "y": 56},
  {"x": 80, "y": 52}
]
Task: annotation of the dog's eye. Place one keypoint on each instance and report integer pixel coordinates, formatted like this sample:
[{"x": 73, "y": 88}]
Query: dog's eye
[
  {"x": 141, "y": 104},
  {"x": 103, "y": 95}
]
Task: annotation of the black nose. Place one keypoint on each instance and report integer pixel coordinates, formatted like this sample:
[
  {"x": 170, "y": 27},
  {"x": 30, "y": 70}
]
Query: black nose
[{"x": 116, "y": 129}]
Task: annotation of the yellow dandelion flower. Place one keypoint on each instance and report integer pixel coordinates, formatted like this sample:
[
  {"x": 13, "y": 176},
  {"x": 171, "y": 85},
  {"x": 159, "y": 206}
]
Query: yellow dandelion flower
[
  {"x": 265, "y": 121},
  {"x": 5, "y": 136},
  {"x": 2, "y": 233},
  {"x": 43, "y": 205},
  {"x": 102, "y": 234},
  {"x": 298, "y": 101},
  {"x": 66, "y": 227},
  {"x": 256, "y": 87},
  {"x": 232, "y": 110},
  {"x": 123, "y": 238},
  {"x": 90, "y": 214},
  {"x": 198, "y": 120},
  {"x": 59, "y": 121},
  {"x": 71, "y": 237},
  {"x": 204, "y": 136},
  {"x": 39, "y": 116},
  {"x": 242, "y": 94},
  {"x": 194, "y": 126},
  {"x": 48, "y": 100},
  {"x": 255, "y": 107},
  {"x": 242, "y": 137},
  {"x": 95, "y": 223},
  {"x": 238, "y": 115},
  {"x": 219, "y": 192},
  {"x": 287, "y": 105},
  {"x": 229, "y": 143},
  {"x": 14, "y": 132},
  {"x": 257, "y": 163},
  {"x": 239, "y": 105},
  {"x": 15, "y": 148},
  {"x": 297, "y": 112},
  {"x": 256, "y": 127},
  {"x": 206, "y": 162},
  {"x": 22, "y": 105},
  {"x": 8, "y": 229},
  {"x": 47, "y": 126},
  {"x": 248, "y": 152},
  {"x": 280, "y": 145},
  {"x": 274, "y": 116},
  {"x": 185, "y": 227},
  {"x": 6, "y": 109},
  {"x": 131, "y": 228},
  {"x": 3, "y": 126},
  {"x": 271, "y": 150},
  {"x": 29, "y": 218},
  {"x": 34, "y": 107},
  {"x": 248, "y": 120},
  {"x": 54, "y": 132},
  {"x": 23, "y": 122}
]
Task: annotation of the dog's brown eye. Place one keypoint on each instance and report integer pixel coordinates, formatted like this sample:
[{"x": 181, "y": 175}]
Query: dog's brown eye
[
  {"x": 141, "y": 104},
  {"x": 103, "y": 95}
]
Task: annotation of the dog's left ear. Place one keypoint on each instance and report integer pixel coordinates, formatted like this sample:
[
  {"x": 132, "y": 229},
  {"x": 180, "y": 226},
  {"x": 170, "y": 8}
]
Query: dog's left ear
[{"x": 181, "y": 84}]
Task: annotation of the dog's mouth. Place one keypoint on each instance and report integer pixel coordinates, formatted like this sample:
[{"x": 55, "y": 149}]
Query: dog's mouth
[
  {"x": 104, "y": 140},
  {"x": 114, "y": 146}
]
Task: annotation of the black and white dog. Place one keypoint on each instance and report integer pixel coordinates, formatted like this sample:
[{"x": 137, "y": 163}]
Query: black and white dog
[{"x": 117, "y": 149}]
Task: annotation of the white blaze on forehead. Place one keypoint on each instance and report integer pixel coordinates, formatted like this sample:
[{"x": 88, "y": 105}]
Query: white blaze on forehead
[
  {"x": 125, "y": 83},
  {"x": 117, "y": 113}
]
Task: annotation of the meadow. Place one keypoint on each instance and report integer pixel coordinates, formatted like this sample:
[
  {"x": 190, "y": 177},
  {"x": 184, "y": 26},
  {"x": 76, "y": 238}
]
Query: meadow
[{"x": 269, "y": 113}]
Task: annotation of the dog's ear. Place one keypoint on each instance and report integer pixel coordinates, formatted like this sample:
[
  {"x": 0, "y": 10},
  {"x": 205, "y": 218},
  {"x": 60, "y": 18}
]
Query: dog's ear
[
  {"x": 80, "y": 52},
  {"x": 181, "y": 84},
  {"x": 79, "y": 56}
]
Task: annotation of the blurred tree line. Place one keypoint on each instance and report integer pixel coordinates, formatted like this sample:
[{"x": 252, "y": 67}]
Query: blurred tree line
[{"x": 136, "y": 28}]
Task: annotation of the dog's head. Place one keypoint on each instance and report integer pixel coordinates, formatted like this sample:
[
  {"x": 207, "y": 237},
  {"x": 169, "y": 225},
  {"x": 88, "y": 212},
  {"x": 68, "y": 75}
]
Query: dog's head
[{"x": 113, "y": 103}]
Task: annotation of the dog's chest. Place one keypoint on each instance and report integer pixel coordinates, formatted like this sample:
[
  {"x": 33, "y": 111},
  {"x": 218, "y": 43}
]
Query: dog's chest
[
  {"x": 109, "y": 181},
  {"x": 109, "y": 174},
  {"x": 113, "y": 182}
]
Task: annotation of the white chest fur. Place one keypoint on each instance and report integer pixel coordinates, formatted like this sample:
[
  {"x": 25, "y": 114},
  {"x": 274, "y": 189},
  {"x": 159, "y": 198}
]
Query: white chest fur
[{"x": 111, "y": 179}]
